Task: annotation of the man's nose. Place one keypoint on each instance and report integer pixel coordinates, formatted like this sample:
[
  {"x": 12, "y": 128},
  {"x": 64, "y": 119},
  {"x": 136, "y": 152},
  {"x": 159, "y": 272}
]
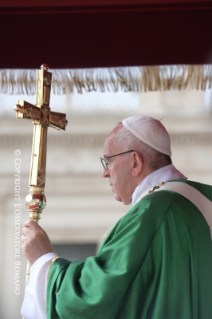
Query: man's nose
[{"x": 106, "y": 173}]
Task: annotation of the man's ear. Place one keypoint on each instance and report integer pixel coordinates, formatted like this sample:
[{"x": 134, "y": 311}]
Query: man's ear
[{"x": 137, "y": 164}]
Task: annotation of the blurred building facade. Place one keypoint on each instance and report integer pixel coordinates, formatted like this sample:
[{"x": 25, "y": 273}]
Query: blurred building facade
[{"x": 80, "y": 206}]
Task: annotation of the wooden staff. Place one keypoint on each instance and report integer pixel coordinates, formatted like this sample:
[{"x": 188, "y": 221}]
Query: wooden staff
[{"x": 42, "y": 117}]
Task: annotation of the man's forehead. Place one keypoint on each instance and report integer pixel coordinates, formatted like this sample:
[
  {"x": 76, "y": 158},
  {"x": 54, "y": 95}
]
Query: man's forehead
[{"x": 111, "y": 146}]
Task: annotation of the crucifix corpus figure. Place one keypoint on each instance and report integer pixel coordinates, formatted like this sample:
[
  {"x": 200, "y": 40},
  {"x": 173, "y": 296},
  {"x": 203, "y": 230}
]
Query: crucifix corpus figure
[{"x": 42, "y": 118}]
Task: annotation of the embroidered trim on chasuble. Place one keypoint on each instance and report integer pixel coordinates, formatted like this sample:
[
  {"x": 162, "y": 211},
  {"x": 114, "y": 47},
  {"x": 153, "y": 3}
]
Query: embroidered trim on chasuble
[
  {"x": 192, "y": 194},
  {"x": 107, "y": 232},
  {"x": 52, "y": 261}
]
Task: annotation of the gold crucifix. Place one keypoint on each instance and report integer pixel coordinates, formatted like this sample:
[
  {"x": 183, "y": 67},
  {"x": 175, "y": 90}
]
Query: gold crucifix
[{"x": 42, "y": 117}]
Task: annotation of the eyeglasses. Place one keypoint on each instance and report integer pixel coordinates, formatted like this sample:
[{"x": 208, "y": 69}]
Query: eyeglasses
[{"x": 104, "y": 159}]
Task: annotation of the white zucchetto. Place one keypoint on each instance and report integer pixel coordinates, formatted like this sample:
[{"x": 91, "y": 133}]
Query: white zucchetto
[{"x": 150, "y": 131}]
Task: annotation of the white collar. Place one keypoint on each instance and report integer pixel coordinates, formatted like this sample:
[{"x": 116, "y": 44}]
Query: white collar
[{"x": 164, "y": 174}]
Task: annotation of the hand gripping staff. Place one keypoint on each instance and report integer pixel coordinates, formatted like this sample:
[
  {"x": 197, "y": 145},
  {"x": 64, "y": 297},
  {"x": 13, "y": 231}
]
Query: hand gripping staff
[{"x": 42, "y": 118}]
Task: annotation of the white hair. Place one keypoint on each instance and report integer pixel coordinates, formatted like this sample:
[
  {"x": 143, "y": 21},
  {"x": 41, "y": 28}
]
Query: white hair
[{"x": 127, "y": 141}]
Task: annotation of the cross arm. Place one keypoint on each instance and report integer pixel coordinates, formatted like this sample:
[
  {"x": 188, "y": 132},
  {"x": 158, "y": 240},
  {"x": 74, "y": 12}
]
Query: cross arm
[{"x": 40, "y": 115}]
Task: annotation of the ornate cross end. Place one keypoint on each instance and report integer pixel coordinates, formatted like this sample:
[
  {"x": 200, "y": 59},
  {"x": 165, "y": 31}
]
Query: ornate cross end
[{"x": 40, "y": 115}]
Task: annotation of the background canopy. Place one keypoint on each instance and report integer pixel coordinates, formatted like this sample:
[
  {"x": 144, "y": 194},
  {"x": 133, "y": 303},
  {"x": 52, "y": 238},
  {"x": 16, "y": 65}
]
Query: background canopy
[{"x": 106, "y": 33}]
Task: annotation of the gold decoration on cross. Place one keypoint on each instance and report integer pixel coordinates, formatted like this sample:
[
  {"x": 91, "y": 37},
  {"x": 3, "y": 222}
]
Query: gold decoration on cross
[{"x": 42, "y": 118}]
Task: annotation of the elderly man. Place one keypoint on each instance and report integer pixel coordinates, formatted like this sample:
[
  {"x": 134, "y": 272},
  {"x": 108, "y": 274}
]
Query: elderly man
[{"x": 154, "y": 263}]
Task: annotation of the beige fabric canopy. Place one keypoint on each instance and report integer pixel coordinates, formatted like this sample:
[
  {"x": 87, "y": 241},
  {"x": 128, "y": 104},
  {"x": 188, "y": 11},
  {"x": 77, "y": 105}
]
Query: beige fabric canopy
[
  {"x": 107, "y": 45},
  {"x": 139, "y": 79}
]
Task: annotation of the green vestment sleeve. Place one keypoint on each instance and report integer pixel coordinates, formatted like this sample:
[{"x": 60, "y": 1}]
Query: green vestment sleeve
[{"x": 156, "y": 263}]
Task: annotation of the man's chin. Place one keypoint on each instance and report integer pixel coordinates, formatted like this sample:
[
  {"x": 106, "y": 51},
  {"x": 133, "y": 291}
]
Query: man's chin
[{"x": 119, "y": 199}]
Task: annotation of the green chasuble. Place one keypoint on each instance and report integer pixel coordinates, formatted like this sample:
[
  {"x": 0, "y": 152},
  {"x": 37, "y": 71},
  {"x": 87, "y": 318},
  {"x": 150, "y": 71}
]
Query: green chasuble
[{"x": 156, "y": 263}]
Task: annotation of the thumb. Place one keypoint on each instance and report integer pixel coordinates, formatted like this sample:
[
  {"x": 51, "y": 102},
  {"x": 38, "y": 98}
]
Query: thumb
[{"x": 31, "y": 224}]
